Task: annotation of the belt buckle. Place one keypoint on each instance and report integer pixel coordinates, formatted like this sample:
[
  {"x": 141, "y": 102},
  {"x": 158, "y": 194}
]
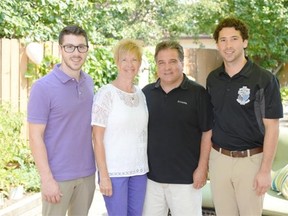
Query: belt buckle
[
  {"x": 231, "y": 153},
  {"x": 242, "y": 153}
]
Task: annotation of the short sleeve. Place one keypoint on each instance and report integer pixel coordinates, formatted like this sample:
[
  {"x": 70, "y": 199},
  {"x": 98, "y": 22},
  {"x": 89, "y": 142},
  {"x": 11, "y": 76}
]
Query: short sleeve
[
  {"x": 204, "y": 106},
  {"x": 102, "y": 103},
  {"x": 38, "y": 105},
  {"x": 273, "y": 104}
]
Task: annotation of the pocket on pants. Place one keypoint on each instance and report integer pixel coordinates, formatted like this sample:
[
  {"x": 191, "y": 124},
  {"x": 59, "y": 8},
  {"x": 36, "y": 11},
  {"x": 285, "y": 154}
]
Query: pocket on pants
[{"x": 256, "y": 159}]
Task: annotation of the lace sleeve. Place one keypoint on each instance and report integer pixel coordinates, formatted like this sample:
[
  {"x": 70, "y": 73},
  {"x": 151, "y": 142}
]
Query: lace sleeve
[{"x": 101, "y": 107}]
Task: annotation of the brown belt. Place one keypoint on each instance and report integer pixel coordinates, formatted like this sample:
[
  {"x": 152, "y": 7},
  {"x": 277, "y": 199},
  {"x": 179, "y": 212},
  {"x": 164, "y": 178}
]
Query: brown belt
[{"x": 243, "y": 153}]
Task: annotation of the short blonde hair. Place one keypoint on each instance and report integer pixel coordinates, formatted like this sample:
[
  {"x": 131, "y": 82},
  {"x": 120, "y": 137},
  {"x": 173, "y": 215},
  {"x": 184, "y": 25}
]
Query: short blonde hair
[{"x": 128, "y": 46}]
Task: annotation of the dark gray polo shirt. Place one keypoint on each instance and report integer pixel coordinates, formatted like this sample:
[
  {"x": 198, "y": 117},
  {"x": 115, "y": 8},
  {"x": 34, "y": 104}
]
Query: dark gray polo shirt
[{"x": 176, "y": 123}]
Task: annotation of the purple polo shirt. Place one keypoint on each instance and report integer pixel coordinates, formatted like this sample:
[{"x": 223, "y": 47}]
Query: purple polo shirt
[{"x": 64, "y": 106}]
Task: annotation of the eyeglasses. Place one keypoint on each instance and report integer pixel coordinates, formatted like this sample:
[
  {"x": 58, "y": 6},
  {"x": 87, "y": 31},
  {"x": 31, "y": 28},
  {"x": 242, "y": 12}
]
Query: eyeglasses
[{"x": 71, "y": 48}]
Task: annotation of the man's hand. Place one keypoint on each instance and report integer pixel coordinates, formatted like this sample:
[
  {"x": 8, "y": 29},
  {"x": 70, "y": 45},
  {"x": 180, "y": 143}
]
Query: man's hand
[
  {"x": 262, "y": 182},
  {"x": 199, "y": 178},
  {"x": 51, "y": 191}
]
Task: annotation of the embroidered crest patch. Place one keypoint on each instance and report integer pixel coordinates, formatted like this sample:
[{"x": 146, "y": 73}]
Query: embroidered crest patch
[{"x": 243, "y": 95}]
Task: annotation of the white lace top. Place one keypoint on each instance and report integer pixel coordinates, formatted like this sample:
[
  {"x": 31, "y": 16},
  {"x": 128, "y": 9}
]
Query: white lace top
[{"x": 125, "y": 118}]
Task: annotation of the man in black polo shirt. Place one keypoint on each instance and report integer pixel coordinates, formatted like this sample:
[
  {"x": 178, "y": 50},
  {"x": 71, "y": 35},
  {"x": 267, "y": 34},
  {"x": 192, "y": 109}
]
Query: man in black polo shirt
[
  {"x": 247, "y": 107},
  {"x": 179, "y": 137}
]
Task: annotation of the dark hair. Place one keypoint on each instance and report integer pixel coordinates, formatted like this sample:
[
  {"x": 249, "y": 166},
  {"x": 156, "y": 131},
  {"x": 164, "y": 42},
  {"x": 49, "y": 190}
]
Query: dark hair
[
  {"x": 74, "y": 30},
  {"x": 170, "y": 45},
  {"x": 232, "y": 22}
]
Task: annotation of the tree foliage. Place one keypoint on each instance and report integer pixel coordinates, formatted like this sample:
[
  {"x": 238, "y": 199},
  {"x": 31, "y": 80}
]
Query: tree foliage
[
  {"x": 150, "y": 21},
  {"x": 105, "y": 21},
  {"x": 267, "y": 21}
]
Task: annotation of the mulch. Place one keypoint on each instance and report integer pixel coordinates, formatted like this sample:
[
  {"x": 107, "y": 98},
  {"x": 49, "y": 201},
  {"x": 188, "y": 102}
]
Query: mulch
[{"x": 208, "y": 212}]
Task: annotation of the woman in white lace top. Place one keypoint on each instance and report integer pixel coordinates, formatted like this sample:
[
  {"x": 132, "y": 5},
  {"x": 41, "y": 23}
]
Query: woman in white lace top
[{"x": 119, "y": 120}]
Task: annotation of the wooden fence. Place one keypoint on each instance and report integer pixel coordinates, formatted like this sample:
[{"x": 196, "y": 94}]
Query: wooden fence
[
  {"x": 14, "y": 86},
  {"x": 13, "y": 64},
  {"x": 198, "y": 63}
]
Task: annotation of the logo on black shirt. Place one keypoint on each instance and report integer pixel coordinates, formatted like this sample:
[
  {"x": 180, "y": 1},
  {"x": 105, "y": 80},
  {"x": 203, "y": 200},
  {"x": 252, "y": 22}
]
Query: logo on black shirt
[
  {"x": 182, "y": 102},
  {"x": 243, "y": 95}
]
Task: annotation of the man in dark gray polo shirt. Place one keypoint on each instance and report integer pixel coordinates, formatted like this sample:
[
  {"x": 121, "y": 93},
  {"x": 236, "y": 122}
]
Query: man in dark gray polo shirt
[
  {"x": 247, "y": 107},
  {"x": 179, "y": 136}
]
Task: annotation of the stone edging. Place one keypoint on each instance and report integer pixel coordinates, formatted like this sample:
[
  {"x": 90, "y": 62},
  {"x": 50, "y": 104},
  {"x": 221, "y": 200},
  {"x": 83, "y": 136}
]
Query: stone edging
[{"x": 29, "y": 206}]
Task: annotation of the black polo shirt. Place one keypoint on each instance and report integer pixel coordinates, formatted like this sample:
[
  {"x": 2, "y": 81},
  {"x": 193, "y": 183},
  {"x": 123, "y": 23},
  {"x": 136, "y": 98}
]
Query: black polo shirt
[
  {"x": 240, "y": 103},
  {"x": 176, "y": 123}
]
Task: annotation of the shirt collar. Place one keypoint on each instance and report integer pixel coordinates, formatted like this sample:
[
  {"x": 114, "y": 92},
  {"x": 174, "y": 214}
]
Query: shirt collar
[
  {"x": 63, "y": 77},
  {"x": 183, "y": 85},
  {"x": 245, "y": 71}
]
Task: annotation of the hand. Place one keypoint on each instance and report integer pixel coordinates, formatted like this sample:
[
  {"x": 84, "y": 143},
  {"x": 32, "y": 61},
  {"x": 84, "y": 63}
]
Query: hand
[
  {"x": 199, "y": 178},
  {"x": 262, "y": 183},
  {"x": 51, "y": 191},
  {"x": 106, "y": 186}
]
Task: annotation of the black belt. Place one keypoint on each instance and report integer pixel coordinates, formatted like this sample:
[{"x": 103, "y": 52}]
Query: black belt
[{"x": 244, "y": 153}]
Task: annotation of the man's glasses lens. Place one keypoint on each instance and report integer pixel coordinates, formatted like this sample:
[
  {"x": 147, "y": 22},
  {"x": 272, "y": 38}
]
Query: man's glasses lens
[{"x": 71, "y": 48}]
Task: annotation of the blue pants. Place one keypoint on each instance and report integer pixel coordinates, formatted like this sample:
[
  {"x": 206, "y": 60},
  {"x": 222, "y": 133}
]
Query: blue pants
[{"x": 128, "y": 196}]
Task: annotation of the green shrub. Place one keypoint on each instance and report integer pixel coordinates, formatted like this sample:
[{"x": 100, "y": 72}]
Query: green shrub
[
  {"x": 284, "y": 94},
  {"x": 100, "y": 66},
  {"x": 152, "y": 66},
  {"x": 16, "y": 164},
  {"x": 35, "y": 72}
]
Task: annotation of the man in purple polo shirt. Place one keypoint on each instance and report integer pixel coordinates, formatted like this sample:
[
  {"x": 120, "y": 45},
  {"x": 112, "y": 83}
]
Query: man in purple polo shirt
[{"x": 59, "y": 116}]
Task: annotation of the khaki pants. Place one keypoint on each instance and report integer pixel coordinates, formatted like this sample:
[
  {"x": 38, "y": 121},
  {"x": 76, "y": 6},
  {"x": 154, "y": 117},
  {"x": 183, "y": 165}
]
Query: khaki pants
[
  {"x": 232, "y": 184},
  {"x": 77, "y": 198}
]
